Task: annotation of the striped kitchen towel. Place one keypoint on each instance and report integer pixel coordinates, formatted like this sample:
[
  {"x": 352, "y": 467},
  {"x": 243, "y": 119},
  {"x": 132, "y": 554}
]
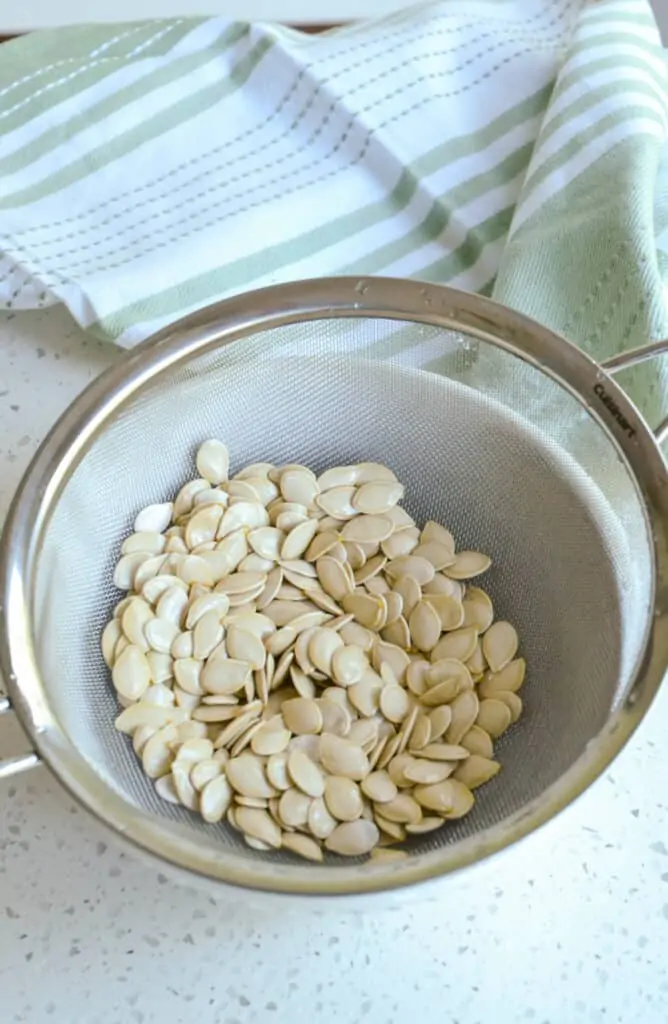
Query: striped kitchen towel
[{"x": 511, "y": 147}]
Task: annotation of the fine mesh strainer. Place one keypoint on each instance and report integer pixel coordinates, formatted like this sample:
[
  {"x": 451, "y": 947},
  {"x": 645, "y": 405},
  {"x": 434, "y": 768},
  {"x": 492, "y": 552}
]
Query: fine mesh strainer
[{"x": 500, "y": 429}]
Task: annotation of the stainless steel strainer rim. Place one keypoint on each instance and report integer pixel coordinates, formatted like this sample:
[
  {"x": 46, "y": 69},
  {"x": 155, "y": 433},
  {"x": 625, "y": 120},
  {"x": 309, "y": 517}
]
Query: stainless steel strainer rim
[{"x": 220, "y": 325}]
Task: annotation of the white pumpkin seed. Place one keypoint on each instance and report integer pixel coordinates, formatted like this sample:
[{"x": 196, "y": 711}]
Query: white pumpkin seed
[
  {"x": 341, "y": 757},
  {"x": 305, "y": 775},
  {"x": 464, "y": 710},
  {"x": 494, "y": 717},
  {"x": 348, "y": 664},
  {"x": 302, "y": 716},
  {"x": 438, "y": 554},
  {"x": 293, "y": 808},
  {"x": 509, "y": 679},
  {"x": 369, "y": 611},
  {"x": 157, "y": 756},
  {"x": 379, "y": 787},
  {"x": 166, "y": 789},
  {"x": 420, "y": 569},
  {"x": 298, "y": 539},
  {"x": 172, "y": 605},
  {"x": 203, "y": 771},
  {"x": 353, "y": 838},
  {"x": 476, "y": 770},
  {"x": 440, "y": 719},
  {"x": 477, "y": 741},
  {"x": 213, "y": 461},
  {"x": 435, "y": 532},
  {"x": 333, "y": 577},
  {"x": 343, "y": 798},
  {"x": 224, "y": 675},
  {"x": 337, "y": 502},
  {"x": 246, "y": 776},
  {"x": 302, "y": 845},
  {"x": 299, "y": 485},
  {"x": 202, "y": 526},
  {"x": 126, "y": 569},
  {"x": 367, "y": 529},
  {"x": 154, "y": 518},
  {"x": 131, "y": 674},
  {"x": 478, "y": 609},
  {"x": 499, "y": 645},
  {"x": 394, "y": 703},
  {"x": 511, "y": 700},
  {"x": 321, "y": 649},
  {"x": 320, "y": 822},
  {"x": 459, "y": 644},
  {"x": 215, "y": 799},
  {"x": 468, "y": 564},
  {"x": 425, "y": 626}
]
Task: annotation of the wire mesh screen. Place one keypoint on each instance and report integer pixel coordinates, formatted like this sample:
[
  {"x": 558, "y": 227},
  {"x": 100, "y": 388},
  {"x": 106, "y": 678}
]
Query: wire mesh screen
[{"x": 485, "y": 444}]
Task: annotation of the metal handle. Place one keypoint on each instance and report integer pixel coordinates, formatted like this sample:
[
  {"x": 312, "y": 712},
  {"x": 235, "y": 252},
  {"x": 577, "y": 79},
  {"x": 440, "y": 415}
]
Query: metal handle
[
  {"x": 20, "y": 763},
  {"x": 632, "y": 358}
]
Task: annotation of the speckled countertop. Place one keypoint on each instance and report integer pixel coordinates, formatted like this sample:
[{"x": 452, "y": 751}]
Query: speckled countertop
[{"x": 569, "y": 927}]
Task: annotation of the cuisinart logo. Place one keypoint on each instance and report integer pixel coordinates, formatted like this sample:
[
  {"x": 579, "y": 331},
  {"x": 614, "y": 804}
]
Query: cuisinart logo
[{"x": 609, "y": 403}]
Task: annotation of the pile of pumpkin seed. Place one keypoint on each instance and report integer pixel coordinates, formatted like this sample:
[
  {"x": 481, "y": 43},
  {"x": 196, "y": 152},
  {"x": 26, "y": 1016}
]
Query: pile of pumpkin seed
[{"x": 295, "y": 656}]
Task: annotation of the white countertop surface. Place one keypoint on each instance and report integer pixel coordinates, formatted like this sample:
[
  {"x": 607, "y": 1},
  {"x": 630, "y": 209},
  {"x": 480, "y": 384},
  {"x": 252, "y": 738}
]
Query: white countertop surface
[{"x": 570, "y": 927}]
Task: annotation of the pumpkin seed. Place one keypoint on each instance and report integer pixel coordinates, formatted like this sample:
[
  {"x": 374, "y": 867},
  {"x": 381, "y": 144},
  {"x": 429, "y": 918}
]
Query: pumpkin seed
[
  {"x": 509, "y": 678},
  {"x": 440, "y": 719},
  {"x": 403, "y": 809},
  {"x": 511, "y": 700},
  {"x": 464, "y": 710},
  {"x": 468, "y": 564},
  {"x": 302, "y": 716},
  {"x": 341, "y": 757},
  {"x": 428, "y": 824},
  {"x": 394, "y": 703},
  {"x": 477, "y": 741},
  {"x": 293, "y": 808},
  {"x": 459, "y": 644},
  {"x": 215, "y": 799},
  {"x": 499, "y": 645},
  {"x": 494, "y": 717},
  {"x": 302, "y": 845},
  {"x": 225, "y": 675},
  {"x": 476, "y": 770},
  {"x": 353, "y": 838},
  {"x": 335, "y": 718},
  {"x": 425, "y": 626},
  {"x": 478, "y": 609},
  {"x": 154, "y": 518},
  {"x": 343, "y": 798},
  {"x": 393, "y": 829},
  {"x": 166, "y": 789},
  {"x": 246, "y": 776},
  {"x": 131, "y": 674},
  {"x": 213, "y": 461},
  {"x": 421, "y": 733},
  {"x": 204, "y": 771},
  {"x": 305, "y": 774},
  {"x": 369, "y": 611},
  {"x": 367, "y": 529},
  {"x": 298, "y": 539},
  {"x": 443, "y": 693}
]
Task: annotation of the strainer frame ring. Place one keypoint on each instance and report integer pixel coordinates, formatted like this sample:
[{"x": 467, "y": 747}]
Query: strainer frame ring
[{"x": 221, "y": 324}]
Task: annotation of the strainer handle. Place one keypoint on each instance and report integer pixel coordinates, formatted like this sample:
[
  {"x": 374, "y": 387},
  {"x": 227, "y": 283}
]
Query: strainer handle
[
  {"x": 20, "y": 763},
  {"x": 632, "y": 358}
]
